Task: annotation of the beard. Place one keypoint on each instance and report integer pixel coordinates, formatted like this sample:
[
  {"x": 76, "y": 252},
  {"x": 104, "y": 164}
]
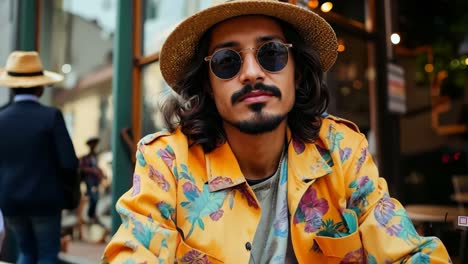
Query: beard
[{"x": 260, "y": 123}]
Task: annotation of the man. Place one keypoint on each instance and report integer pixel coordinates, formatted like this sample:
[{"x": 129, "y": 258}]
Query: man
[
  {"x": 36, "y": 156},
  {"x": 254, "y": 171},
  {"x": 92, "y": 176}
]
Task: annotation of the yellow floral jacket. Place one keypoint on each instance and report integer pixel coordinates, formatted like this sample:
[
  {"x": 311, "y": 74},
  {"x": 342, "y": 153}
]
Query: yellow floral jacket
[{"x": 188, "y": 206}]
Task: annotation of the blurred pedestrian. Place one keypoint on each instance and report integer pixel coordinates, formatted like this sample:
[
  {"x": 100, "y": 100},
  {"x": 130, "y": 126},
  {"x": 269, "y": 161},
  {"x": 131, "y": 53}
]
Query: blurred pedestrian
[
  {"x": 92, "y": 175},
  {"x": 37, "y": 158}
]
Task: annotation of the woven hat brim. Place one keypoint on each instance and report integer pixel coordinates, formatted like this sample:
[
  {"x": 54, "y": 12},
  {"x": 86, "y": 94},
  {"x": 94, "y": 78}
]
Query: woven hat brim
[
  {"x": 180, "y": 46},
  {"x": 26, "y": 82}
]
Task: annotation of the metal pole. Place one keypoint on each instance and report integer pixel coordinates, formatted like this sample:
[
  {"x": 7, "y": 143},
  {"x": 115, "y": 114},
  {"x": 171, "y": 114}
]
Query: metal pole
[
  {"x": 122, "y": 92},
  {"x": 28, "y": 25}
]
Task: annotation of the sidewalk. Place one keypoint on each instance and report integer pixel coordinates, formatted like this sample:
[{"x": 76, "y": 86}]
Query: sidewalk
[{"x": 82, "y": 253}]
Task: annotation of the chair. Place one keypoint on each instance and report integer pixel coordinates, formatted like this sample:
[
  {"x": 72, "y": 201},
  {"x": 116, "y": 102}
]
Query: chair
[{"x": 460, "y": 186}]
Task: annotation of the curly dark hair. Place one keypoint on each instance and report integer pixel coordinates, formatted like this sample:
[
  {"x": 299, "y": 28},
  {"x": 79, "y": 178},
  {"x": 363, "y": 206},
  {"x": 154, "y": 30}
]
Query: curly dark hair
[{"x": 194, "y": 110}]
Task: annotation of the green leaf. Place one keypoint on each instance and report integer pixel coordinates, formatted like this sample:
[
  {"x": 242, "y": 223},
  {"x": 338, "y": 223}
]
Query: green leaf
[
  {"x": 141, "y": 159},
  {"x": 351, "y": 222},
  {"x": 371, "y": 259},
  {"x": 201, "y": 224},
  {"x": 232, "y": 194}
]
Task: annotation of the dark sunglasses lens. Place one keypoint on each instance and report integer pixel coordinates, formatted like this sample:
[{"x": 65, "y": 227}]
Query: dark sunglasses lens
[
  {"x": 273, "y": 56},
  {"x": 225, "y": 63}
]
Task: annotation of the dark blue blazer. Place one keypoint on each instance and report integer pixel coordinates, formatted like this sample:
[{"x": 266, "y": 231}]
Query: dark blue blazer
[{"x": 36, "y": 153}]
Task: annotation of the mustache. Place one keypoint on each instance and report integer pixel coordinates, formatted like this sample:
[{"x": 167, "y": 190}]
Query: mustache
[{"x": 275, "y": 91}]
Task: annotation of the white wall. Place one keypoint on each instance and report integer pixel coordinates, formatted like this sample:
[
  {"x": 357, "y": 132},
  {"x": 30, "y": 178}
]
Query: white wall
[{"x": 7, "y": 29}]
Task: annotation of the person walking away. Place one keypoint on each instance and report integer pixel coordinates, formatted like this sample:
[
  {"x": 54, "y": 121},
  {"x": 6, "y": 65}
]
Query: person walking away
[
  {"x": 36, "y": 154},
  {"x": 92, "y": 175}
]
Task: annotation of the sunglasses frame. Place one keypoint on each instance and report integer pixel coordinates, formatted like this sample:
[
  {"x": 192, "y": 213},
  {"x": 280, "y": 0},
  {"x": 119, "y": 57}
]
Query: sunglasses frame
[{"x": 209, "y": 58}]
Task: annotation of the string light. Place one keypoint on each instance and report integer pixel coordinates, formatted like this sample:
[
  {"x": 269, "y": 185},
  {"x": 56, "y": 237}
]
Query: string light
[
  {"x": 395, "y": 38},
  {"x": 341, "y": 45},
  {"x": 326, "y": 7},
  {"x": 429, "y": 67},
  {"x": 313, "y": 4}
]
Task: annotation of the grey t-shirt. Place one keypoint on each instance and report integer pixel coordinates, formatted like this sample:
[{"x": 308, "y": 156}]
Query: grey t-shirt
[{"x": 272, "y": 241}]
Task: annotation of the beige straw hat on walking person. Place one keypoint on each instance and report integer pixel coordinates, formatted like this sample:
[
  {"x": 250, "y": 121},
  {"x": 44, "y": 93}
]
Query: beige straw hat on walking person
[
  {"x": 180, "y": 46},
  {"x": 24, "y": 70}
]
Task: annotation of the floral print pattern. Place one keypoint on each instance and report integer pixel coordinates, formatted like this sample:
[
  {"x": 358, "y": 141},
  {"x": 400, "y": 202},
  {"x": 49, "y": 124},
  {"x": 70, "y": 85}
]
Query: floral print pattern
[
  {"x": 311, "y": 210},
  {"x": 220, "y": 182},
  {"x": 325, "y": 155},
  {"x": 159, "y": 178},
  {"x": 385, "y": 210},
  {"x": 354, "y": 257},
  {"x": 167, "y": 155},
  {"x": 140, "y": 158},
  {"x": 175, "y": 200},
  {"x": 281, "y": 221},
  {"x": 361, "y": 159},
  {"x": 194, "y": 257},
  {"x": 363, "y": 187},
  {"x": 136, "y": 185},
  {"x": 335, "y": 139},
  {"x": 298, "y": 145},
  {"x": 200, "y": 204},
  {"x": 167, "y": 211}
]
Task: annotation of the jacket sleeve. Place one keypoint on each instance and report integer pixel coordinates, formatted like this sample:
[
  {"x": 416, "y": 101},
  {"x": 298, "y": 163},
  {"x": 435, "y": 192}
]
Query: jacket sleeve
[
  {"x": 148, "y": 232},
  {"x": 387, "y": 233}
]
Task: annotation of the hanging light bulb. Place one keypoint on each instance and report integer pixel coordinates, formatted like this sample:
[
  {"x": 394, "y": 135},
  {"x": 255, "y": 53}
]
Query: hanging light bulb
[
  {"x": 312, "y": 4},
  {"x": 326, "y": 7},
  {"x": 395, "y": 38},
  {"x": 429, "y": 67},
  {"x": 341, "y": 45}
]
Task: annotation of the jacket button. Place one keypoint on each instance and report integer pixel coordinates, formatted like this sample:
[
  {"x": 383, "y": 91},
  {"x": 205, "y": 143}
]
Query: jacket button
[{"x": 248, "y": 246}]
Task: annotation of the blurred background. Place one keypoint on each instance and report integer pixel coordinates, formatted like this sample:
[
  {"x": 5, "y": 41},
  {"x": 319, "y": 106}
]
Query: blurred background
[{"x": 401, "y": 75}]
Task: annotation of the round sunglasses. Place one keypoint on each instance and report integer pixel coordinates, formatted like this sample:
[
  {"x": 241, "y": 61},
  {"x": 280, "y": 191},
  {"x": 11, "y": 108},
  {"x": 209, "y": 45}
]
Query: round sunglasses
[{"x": 272, "y": 56}]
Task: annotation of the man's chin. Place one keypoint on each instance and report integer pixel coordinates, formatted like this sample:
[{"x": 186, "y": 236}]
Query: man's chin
[{"x": 259, "y": 124}]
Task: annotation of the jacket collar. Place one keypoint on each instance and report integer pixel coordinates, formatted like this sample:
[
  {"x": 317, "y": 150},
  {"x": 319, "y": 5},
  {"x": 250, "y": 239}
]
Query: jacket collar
[
  {"x": 306, "y": 162},
  {"x": 223, "y": 169},
  {"x": 25, "y": 97}
]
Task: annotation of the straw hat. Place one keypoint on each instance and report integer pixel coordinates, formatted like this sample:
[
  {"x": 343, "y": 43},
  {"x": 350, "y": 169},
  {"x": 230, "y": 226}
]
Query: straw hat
[
  {"x": 24, "y": 69},
  {"x": 181, "y": 44}
]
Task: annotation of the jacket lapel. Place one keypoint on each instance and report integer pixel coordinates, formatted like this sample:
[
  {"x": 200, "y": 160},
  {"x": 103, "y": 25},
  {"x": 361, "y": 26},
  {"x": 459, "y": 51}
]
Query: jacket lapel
[
  {"x": 223, "y": 169},
  {"x": 307, "y": 162}
]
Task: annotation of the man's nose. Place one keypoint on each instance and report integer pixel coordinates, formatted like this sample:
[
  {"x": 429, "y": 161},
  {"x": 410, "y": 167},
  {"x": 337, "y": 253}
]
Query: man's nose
[{"x": 251, "y": 72}]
